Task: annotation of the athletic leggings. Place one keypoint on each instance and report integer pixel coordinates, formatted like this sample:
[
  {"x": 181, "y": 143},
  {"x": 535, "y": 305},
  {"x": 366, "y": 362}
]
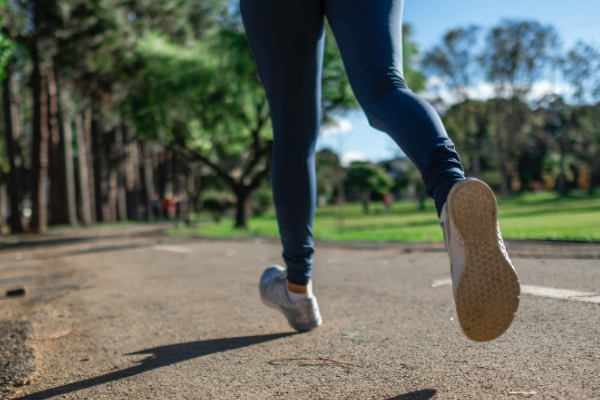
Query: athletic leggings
[{"x": 287, "y": 38}]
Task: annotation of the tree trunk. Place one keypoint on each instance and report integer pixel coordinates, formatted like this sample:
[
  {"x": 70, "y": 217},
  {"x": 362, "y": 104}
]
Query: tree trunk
[
  {"x": 84, "y": 184},
  {"x": 100, "y": 181},
  {"x": 113, "y": 172},
  {"x": 3, "y": 206},
  {"x": 159, "y": 160},
  {"x": 122, "y": 171},
  {"x": 168, "y": 171},
  {"x": 180, "y": 182},
  {"x": 113, "y": 194},
  {"x": 135, "y": 171},
  {"x": 87, "y": 131},
  {"x": 504, "y": 180},
  {"x": 59, "y": 213},
  {"x": 593, "y": 180},
  {"x": 12, "y": 128},
  {"x": 131, "y": 175},
  {"x": 191, "y": 190},
  {"x": 366, "y": 196},
  {"x": 39, "y": 160},
  {"x": 147, "y": 179},
  {"x": 476, "y": 160},
  {"x": 110, "y": 202},
  {"x": 241, "y": 209},
  {"x": 563, "y": 188},
  {"x": 196, "y": 204},
  {"x": 71, "y": 199}
]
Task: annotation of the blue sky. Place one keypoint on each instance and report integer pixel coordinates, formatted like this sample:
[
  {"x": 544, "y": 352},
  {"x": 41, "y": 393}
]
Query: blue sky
[{"x": 574, "y": 20}]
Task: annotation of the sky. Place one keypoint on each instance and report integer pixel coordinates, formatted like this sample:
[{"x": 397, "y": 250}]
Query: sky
[{"x": 430, "y": 19}]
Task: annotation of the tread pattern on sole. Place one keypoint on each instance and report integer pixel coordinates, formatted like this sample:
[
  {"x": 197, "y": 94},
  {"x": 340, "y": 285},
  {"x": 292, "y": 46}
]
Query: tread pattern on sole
[{"x": 487, "y": 294}]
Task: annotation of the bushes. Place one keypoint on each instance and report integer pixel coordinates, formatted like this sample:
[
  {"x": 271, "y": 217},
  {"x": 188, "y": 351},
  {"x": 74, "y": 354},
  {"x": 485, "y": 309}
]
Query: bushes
[
  {"x": 262, "y": 201},
  {"x": 219, "y": 204}
]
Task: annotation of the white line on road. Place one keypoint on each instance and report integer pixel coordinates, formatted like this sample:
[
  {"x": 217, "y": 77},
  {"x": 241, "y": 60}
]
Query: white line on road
[
  {"x": 564, "y": 294},
  {"x": 541, "y": 291},
  {"x": 441, "y": 282},
  {"x": 174, "y": 249}
]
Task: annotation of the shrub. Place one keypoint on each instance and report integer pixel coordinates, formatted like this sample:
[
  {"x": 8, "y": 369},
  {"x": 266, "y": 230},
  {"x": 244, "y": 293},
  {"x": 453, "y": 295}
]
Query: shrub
[{"x": 218, "y": 205}]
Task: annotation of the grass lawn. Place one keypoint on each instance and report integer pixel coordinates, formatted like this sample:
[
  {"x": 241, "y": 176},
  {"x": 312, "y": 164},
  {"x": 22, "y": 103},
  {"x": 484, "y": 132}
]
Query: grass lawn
[{"x": 528, "y": 216}]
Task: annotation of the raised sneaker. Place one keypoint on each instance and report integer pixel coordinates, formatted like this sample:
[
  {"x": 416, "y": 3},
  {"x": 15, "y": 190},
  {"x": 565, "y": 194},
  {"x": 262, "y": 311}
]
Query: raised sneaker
[{"x": 485, "y": 284}]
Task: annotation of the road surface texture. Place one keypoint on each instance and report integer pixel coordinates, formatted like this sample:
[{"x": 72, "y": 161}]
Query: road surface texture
[{"x": 131, "y": 314}]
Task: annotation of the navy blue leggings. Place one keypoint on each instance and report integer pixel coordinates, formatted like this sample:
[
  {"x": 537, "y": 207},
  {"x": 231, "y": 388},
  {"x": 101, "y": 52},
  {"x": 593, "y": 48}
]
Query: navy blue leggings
[{"x": 287, "y": 38}]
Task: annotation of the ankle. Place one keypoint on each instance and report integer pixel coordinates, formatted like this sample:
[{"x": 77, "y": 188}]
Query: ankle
[
  {"x": 299, "y": 292},
  {"x": 292, "y": 287}
]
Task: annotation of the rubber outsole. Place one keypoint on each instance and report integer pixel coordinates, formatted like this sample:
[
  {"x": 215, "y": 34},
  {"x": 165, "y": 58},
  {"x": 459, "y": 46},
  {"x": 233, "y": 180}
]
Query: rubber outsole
[
  {"x": 487, "y": 295},
  {"x": 299, "y": 327}
]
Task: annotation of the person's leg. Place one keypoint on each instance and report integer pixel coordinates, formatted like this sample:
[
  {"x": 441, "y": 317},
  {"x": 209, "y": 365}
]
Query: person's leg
[
  {"x": 287, "y": 42},
  {"x": 485, "y": 284},
  {"x": 369, "y": 35}
]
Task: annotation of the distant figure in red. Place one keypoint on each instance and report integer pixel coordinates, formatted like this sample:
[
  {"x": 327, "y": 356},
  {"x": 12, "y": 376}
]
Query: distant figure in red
[
  {"x": 168, "y": 206},
  {"x": 387, "y": 200}
]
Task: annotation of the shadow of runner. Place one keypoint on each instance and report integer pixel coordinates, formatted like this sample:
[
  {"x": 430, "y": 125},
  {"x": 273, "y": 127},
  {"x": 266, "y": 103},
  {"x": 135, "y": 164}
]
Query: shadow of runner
[
  {"x": 418, "y": 395},
  {"x": 160, "y": 357}
]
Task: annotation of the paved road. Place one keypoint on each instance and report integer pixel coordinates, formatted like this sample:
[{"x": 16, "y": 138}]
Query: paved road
[{"x": 133, "y": 315}]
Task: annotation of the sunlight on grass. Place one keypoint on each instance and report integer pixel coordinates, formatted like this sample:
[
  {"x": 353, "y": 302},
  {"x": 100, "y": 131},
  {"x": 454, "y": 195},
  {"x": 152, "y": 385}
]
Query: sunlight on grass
[{"x": 528, "y": 216}]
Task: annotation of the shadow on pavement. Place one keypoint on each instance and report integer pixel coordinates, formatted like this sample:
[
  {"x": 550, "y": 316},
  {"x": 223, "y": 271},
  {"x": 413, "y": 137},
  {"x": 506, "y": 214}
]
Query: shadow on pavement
[
  {"x": 418, "y": 395},
  {"x": 76, "y": 237},
  {"x": 105, "y": 249},
  {"x": 160, "y": 357}
]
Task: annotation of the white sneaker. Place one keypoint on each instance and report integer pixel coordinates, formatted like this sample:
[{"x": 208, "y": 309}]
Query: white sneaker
[
  {"x": 485, "y": 284},
  {"x": 302, "y": 315}
]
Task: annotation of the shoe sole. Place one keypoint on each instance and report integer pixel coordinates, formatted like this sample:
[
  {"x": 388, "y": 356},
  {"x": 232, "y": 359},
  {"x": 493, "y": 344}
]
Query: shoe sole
[
  {"x": 298, "y": 327},
  {"x": 487, "y": 295}
]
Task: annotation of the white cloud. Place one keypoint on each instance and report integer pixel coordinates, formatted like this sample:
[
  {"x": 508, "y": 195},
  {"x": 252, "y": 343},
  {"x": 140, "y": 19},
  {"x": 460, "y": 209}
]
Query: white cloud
[
  {"x": 339, "y": 126},
  {"x": 542, "y": 88},
  {"x": 485, "y": 90},
  {"x": 350, "y": 156},
  {"x": 482, "y": 91}
]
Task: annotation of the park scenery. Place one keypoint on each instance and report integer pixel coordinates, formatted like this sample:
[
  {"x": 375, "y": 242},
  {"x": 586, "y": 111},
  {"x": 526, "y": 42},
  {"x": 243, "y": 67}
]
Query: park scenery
[{"x": 136, "y": 210}]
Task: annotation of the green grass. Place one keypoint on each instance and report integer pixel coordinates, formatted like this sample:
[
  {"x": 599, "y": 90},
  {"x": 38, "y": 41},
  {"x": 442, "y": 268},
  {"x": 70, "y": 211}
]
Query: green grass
[{"x": 528, "y": 216}]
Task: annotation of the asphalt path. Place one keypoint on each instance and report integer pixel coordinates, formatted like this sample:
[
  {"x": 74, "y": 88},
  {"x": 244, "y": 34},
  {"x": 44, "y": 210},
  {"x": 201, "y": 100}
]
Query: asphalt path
[{"x": 133, "y": 315}]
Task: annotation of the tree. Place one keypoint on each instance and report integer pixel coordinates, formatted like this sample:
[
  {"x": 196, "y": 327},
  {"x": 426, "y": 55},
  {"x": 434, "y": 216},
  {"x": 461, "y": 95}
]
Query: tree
[
  {"x": 108, "y": 31},
  {"x": 12, "y": 21},
  {"x": 414, "y": 78},
  {"x": 413, "y": 177},
  {"x": 207, "y": 100},
  {"x": 467, "y": 124},
  {"x": 7, "y": 45},
  {"x": 511, "y": 125},
  {"x": 586, "y": 147},
  {"x": 40, "y": 45},
  {"x": 558, "y": 123},
  {"x": 581, "y": 69},
  {"x": 454, "y": 60},
  {"x": 330, "y": 174},
  {"x": 366, "y": 178},
  {"x": 207, "y": 104},
  {"x": 13, "y": 131},
  {"x": 517, "y": 54},
  {"x": 336, "y": 92}
]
